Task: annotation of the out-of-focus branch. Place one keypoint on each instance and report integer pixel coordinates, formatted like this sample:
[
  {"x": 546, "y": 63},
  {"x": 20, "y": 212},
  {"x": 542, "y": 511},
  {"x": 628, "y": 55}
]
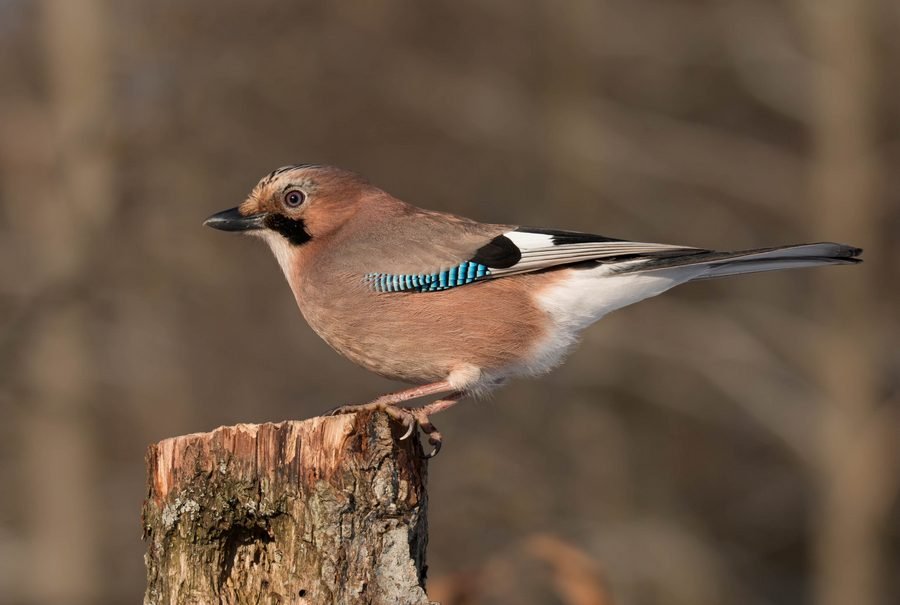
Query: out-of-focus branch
[
  {"x": 576, "y": 575},
  {"x": 563, "y": 569}
]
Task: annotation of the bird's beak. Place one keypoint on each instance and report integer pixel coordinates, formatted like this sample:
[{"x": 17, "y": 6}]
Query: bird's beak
[{"x": 233, "y": 220}]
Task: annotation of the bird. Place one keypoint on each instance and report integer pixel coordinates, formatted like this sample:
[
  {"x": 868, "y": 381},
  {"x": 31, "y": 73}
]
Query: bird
[{"x": 453, "y": 306}]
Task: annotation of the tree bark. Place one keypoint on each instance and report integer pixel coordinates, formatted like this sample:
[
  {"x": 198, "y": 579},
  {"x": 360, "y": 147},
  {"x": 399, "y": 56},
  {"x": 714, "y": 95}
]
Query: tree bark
[{"x": 325, "y": 510}]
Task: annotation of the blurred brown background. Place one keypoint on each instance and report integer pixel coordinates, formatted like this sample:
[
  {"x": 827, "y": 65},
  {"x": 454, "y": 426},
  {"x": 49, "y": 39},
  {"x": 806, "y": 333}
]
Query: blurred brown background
[{"x": 730, "y": 442}]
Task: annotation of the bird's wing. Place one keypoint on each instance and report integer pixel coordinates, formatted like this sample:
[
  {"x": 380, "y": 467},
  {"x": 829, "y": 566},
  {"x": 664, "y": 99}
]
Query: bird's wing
[{"x": 512, "y": 251}]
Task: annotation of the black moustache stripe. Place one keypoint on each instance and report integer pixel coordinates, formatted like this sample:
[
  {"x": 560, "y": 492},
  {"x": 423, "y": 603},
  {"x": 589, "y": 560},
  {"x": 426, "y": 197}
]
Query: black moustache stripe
[{"x": 293, "y": 230}]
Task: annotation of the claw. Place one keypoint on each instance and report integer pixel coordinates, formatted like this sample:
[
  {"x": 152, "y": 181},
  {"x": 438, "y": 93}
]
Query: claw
[
  {"x": 434, "y": 452},
  {"x": 434, "y": 436},
  {"x": 409, "y": 430},
  {"x": 402, "y": 416}
]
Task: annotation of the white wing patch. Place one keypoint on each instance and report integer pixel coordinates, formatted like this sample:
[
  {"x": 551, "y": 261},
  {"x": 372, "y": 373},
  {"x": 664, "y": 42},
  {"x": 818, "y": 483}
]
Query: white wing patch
[{"x": 525, "y": 240}]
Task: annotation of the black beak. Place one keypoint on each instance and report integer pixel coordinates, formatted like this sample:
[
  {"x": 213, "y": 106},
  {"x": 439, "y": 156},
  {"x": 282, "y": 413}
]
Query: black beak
[{"x": 233, "y": 220}]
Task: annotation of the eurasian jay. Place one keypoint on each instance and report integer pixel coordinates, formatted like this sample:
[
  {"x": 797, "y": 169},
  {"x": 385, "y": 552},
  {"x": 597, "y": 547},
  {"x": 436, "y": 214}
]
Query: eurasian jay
[{"x": 452, "y": 305}]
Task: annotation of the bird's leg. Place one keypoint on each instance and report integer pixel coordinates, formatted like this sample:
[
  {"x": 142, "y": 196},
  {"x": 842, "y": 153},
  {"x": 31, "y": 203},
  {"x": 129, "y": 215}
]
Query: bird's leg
[
  {"x": 390, "y": 400},
  {"x": 420, "y": 417}
]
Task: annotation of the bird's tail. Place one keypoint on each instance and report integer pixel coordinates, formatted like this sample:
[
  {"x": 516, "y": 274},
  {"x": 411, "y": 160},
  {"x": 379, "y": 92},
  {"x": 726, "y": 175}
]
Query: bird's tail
[{"x": 711, "y": 264}]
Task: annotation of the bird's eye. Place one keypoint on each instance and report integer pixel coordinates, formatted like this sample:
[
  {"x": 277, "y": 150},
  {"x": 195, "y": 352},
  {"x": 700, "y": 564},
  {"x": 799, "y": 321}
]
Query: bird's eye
[{"x": 294, "y": 198}]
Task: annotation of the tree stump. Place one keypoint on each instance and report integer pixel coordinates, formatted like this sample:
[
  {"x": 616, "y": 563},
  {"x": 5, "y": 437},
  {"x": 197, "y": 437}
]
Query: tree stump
[{"x": 325, "y": 510}]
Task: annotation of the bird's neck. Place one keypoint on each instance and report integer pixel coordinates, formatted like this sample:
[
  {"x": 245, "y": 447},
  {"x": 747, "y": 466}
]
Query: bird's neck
[{"x": 294, "y": 260}]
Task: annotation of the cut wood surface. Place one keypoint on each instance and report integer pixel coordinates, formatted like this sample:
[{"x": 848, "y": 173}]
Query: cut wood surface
[{"x": 325, "y": 510}]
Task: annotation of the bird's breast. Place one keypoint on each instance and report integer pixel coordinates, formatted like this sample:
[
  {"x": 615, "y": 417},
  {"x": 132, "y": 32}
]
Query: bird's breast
[{"x": 495, "y": 325}]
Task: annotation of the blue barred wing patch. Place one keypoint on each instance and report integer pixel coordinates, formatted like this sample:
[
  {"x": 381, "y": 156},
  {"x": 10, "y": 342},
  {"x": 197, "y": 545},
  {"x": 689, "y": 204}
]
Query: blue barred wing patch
[{"x": 460, "y": 275}]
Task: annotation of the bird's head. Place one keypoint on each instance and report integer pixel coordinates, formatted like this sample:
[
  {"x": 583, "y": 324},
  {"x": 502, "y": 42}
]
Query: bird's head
[
  {"x": 295, "y": 204},
  {"x": 294, "y": 207}
]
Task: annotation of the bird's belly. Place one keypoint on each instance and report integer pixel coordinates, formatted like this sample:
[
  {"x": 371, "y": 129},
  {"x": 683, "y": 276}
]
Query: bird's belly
[
  {"x": 491, "y": 327},
  {"x": 373, "y": 350}
]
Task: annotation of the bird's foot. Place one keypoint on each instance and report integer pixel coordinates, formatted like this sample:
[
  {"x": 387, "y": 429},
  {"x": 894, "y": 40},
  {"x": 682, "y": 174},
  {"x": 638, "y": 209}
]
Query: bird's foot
[
  {"x": 411, "y": 418},
  {"x": 417, "y": 418},
  {"x": 420, "y": 417}
]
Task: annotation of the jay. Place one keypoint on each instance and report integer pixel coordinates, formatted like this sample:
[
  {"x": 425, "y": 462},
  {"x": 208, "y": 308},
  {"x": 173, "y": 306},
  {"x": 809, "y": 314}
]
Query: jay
[{"x": 451, "y": 305}]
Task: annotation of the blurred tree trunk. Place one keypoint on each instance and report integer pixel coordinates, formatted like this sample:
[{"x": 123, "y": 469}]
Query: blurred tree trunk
[
  {"x": 327, "y": 510},
  {"x": 67, "y": 202},
  {"x": 855, "y": 474}
]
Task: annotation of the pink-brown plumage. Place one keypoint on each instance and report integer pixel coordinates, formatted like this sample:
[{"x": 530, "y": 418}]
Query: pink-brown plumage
[
  {"x": 418, "y": 338},
  {"x": 412, "y": 336}
]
